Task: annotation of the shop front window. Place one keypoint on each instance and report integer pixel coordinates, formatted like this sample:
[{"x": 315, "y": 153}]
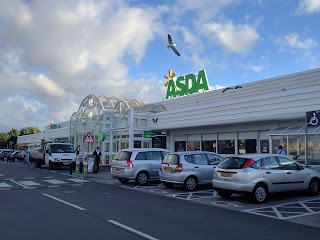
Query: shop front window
[
  {"x": 180, "y": 146},
  {"x": 313, "y": 149},
  {"x": 137, "y": 144},
  {"x": 226, "y": 147},
  {"x": 247, "y": 146},
  {"x": 210, "y": 146},
  {"x": 264, "y": 146},
  {"x": 193, "y": 145},
  {"x": 279, "y": 140}
]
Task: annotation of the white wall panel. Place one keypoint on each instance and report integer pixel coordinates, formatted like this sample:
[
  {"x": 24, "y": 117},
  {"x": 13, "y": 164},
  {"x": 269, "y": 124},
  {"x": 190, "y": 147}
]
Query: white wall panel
[
  {"x": 210, "y": 136},
  {"x": 226, "y": 136},
  {"x": 247, "y": 135},
  {"x": 194, "y": 137},
  {"x": 180, "y": 138}
]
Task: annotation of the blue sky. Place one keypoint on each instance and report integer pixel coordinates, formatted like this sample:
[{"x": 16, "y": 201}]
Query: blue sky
[{"x": 55, "y": 53}]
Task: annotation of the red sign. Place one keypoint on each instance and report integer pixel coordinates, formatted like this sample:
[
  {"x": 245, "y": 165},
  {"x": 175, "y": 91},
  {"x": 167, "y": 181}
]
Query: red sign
[{"x": 88, "y": 138}]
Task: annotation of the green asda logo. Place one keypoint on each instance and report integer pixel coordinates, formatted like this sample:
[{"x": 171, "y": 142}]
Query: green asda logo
[{"x": 187, "y": 84}]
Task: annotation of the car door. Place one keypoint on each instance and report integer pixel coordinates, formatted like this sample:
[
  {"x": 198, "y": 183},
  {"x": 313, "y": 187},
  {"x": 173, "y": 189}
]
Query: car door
[
  {"x": 154, "y": 163},
  {"x": 272, "y": 172},
  {"x": 294, "y": 176},
  {"x": 201, "y": 168}
]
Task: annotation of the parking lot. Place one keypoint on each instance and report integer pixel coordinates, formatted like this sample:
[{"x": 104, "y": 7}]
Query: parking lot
[{"x": 295, "y": 207}]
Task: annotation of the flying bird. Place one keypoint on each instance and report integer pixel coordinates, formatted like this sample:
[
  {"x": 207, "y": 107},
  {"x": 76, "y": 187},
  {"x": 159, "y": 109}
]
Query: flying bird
[
  {"x": 172, "y": 45},
  {"x": 236, "y": 87}
]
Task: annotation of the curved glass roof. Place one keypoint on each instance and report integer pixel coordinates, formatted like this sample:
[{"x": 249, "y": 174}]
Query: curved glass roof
[
  {"x": 117, "y": 104},
  {"x": 293, "y": 131}
]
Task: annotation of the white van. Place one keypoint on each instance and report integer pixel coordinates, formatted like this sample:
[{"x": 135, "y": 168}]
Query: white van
[{"x": 57, "y": 154}]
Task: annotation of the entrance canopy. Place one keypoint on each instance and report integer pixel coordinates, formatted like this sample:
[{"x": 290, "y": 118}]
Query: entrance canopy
[{"x": 293, "y": 131}]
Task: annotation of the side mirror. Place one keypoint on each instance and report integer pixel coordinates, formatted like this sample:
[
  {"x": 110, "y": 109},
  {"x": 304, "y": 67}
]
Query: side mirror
[{"x": 300, "y": 167}]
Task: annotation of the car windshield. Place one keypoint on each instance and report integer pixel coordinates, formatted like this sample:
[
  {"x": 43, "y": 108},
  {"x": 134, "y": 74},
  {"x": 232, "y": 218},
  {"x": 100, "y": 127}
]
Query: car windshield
[
  {"x": 123, "y": 156},
  {"x": 171, "y": 159},
  {"x": 62, "y": 148},
  {"x": 232, "y": 163}
]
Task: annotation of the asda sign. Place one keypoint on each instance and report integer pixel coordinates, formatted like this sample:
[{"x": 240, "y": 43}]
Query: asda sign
[{"x": 187, "y": 84}]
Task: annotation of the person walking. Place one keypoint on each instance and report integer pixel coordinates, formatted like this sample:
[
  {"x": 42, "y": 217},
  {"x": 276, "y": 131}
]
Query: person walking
[
  {"x": 281, "y": 151},
  {"x": 97, "y": 154}
]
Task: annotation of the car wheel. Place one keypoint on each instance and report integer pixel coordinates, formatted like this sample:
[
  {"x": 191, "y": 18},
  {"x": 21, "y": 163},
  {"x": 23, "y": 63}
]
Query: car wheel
[
  {"x": 190, "y": 183},
  {"x": 123, "y": 180},
  {"x": 142, "y": 178},
  {"x": 314, "y": 187},
  {"x": 169, "y": 184},
  {"x": 5, "y": 159},
  {"x": 224, "y": 194},
  {"x": 259, "y": 193},
  {"x": 16, "y": 160},
  {"x": 51, "y": 165}
]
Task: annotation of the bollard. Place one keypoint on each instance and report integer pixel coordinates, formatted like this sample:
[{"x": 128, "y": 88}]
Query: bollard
[
  {"x": 77, "y": 167},
  {"x": 85, "y": 168},
  {"x": 70, "y": 168}
]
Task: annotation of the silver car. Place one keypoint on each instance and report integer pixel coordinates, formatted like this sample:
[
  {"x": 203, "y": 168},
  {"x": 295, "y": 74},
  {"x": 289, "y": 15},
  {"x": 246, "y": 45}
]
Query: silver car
[
  {"x": 140, "y": 164},
  {"x": 188, "y": 168},
  {"x": 260, "y": 174}
]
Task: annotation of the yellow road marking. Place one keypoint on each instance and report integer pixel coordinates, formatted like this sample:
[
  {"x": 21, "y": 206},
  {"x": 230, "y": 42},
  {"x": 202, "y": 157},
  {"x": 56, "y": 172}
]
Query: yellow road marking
[
  {"x": 76, "y": 185},
  {"x": 30, "y": 178},
  {"x": 54, "y": 186},
  {"x": 49, "y": 177},
  {"x": 3, "y": 189},
  {"x": 9, "y": 179}
]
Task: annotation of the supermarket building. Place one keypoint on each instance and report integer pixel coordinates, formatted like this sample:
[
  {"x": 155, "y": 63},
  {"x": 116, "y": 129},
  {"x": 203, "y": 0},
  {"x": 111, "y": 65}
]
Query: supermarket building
[{"x": 253, "y": 119}]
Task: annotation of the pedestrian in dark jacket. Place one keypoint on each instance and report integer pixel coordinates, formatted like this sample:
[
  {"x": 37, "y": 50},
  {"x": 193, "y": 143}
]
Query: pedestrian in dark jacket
[{"x": 97, "y": 154}]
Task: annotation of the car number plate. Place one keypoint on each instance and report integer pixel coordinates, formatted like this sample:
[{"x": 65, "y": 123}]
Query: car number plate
[
  {"x": 117, "y": 169},
  {"x": 223, "y": 174},
  {"x": 167, "y": 169}
]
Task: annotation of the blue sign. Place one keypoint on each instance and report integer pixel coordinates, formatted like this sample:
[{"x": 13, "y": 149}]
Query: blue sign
[{"x": 313, "y": 118}]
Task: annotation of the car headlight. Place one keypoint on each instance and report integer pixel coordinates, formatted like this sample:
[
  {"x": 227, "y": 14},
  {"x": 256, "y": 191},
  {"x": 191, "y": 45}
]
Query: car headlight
[{"x": 56, "y": 159}]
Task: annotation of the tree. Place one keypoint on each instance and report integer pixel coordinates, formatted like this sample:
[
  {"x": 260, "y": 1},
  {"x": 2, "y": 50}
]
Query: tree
[
  {"x": 29, "y": 130},
  {"x": 4, "y": 137}
]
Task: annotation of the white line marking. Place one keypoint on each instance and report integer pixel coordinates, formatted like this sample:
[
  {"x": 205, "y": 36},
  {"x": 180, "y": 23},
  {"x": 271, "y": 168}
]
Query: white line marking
[
  {"x": 5, "y": 185},
  {"x": 59, "y": 200},
  {"x": 307, "y": 208},
  {"x": 29, "y": 183},
  {"x": 281, "y": 205},
  {"x": 132, "y": 230},
  {"x": 24, "y": 186},
  {"x": 189, "y": 196},
  {"x": 54, "y": 181},
  {"x": 277, "y": 212},
  {"x": 1, "y": 175}
]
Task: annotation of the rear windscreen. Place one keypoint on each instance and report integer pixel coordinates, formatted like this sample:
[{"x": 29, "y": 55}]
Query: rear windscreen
[
  {"x": 123, "y": 156},
  {"x": 232, "y": 163},
  {"x": 171, "y": 159}
]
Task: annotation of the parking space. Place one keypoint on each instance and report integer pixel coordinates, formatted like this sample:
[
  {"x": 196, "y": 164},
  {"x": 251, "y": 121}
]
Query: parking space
[{"x": 288, "y": 207}]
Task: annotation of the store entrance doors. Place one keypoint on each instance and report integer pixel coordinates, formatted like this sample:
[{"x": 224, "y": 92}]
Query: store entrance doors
[{"x": 159, "y": 141}]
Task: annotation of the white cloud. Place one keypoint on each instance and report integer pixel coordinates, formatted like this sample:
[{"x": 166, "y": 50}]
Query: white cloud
[
  {"x": 80, "y": 47},
  {"x": 295, "y": 41},
  {"x": 308, "y": 7},
  {"x": 303, "y": 48},
  {"x": 259, "y": 66},
  {"x": 49, "y": 86},
  {"x": 234, "y": 38}
]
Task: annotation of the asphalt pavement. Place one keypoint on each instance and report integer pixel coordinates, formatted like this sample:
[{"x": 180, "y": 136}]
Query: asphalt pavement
[{"x": 45, "y": 204}]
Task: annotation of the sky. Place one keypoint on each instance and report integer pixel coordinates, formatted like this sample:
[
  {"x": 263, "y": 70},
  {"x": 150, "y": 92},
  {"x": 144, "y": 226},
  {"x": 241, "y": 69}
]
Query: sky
[{"x": 53, "y": 54}]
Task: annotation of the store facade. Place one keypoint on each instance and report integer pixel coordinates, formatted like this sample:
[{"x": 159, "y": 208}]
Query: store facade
[{"x": 253, "y": 119}]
